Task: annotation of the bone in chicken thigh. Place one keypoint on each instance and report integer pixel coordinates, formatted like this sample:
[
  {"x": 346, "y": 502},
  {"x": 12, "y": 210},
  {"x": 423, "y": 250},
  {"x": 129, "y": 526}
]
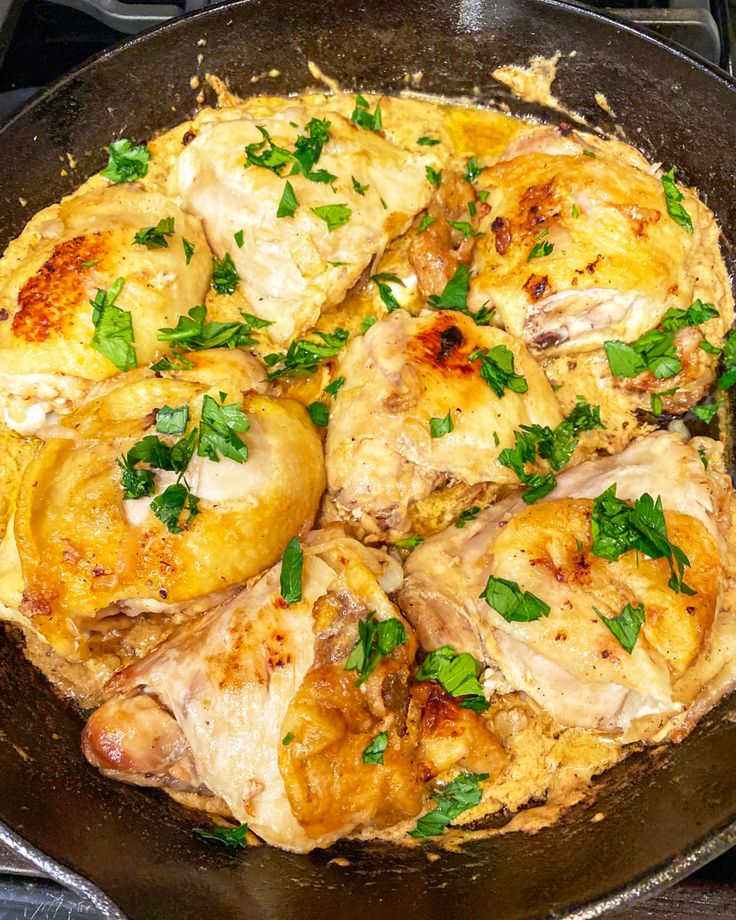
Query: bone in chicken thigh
[{"x": 564, "y": 657}]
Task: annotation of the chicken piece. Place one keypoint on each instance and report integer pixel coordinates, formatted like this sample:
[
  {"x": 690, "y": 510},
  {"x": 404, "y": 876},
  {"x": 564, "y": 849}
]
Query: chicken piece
[
  {"x": 253, "y": 704},
  {"x": 291, "y": 268},
  {"x": 381, "y": 457},
  {"x": 85, "y": 552},
  {"x": 569, "y": 662},
  {"x": 51, "y": 272},
  {"x": 436, "y": 253},
  {"x": 579, "y": 247}
]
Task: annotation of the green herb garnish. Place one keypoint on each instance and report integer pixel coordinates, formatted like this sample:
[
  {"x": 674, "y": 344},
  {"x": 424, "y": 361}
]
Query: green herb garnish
[
  {"x": 292, "y": 563},
  {"x": 450, "y": 802},
  {"x": 375, "y": 750},
  {"x": 625, "y": 627},
  {"x": 673, "y": 198},
  {"x": 288, "y": 204},
  {"x": 362, "y": 115},
  {"x": 319, "y": 414},
  {"x": 465, "y": 517},
  {"x": 225, "y": 276},
  {"x": 497, "y": 370},
  {"x": 232, "y": 837},
  {"x": 304, "y": 356},
  {"x": 514, "y": 605},
  {"x": 334, "y": 215},
  {"x": 113, "y": 336},
  {"x": 126, "y": 161},
  {"x": 457, "y": 674},
  {"x": 434, "y": 176},
  {"x": 409, "y": 542},
  {"x": 156, "y": 237},
  {"x": 172, "y": 421},
  {"x": 376, "y": 640},
  {"x": 439, "y": 427},
  {"x": 382, "y": 281}
]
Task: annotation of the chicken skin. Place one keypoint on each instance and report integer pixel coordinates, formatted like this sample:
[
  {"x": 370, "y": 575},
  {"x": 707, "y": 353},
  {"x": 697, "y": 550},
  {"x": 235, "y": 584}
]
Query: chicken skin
[
  {"x": 401, "y": 378},
  {"x": 255, "y": 710},
  {"x": 50, "y": 347},
  {"x": 104, "y": 524},
  {"x": 568, "y": 658},
  {"x": 296, "y": 258}
]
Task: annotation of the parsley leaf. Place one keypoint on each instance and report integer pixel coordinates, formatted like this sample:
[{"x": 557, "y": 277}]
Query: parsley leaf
[
  {"x": 497, "y": 369},
  {"x": 334, "y": 215},
  {"x": 376, "y": 640},
  {"x": 707, "y": 412},
  {"x": 457, "y": 674},
  {"x": 472, "y": 170},
  {"x": 360, "y": 189},
  {"x": 366, "y": 324},
  {"x": 374, "y": 752},
  {"x": 455, "y": 294},
  {"x": 304, "y": 356},
  {"x": 618, "y": 527},
  {"x": 558, "y": 445},
  {"x": 362, "y": 116},
  {"x": 673, "y": 196},
  {"x": 113, "y": 336},
  {"x": 728, "y": 377},
  {"x": 218, "y": 428},
  {"x": 450, "y": 802},
  {"x": 465, "y": 517},
  {"x": 434, "y": 176},
  {"x": 136, "y": 483},
  {"x": 625, "y": 627},
  {"x": 462, "y": 226},
  {"x": 172, "y": 421},
  {"x": 319, "y": 414},
  {"x": 425, "y": 141},
  {"x": 188, "y": 250},
  {"x": 155, "y": 237},
  {"x": 409, "y": 542},
  {"x": 656, "y": 401},
  {"x": 171, "y": 503},
  {"x": 287, "y": 739},
  {"x": 334, "y": 388},
  {"x": 193, "y": 333},
  {"x": 266, "y": 154},
  {"x": 292, "y": 563},
  {"x": 126, "y": 161},
  {"x": 696, "y": 314},
  {"x": 225, "y": 276},
  {"x": 232, "y": 837},
  {"x": 308, "y": 149},
  {"x": 239, "y": 238},
  {"x": 540, "y": 249},
  {"x": 386, "y": 294},
  {"x": 288, "y": 204},
  {"x": 439, "y": 427},
  {"x": 425, "y": 222},
  {"x": 514, "y": 605}
]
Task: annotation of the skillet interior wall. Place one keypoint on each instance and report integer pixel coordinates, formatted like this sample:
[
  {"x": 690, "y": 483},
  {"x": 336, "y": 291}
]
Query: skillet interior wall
[{"x": 138, "y": 847}]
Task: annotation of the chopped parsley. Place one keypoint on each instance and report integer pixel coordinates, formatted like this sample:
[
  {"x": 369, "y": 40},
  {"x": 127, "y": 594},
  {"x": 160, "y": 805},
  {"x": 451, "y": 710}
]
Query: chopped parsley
[
  {"x": 362, "y": 115},
  {"x": 225, "y": 276},
  {"x": 425, "y": 141},
  {"x": 366, "y": 324},
  {"x": 113, "y": 336},
  {"x": 450, "y": 802},
  {"x": 425, "y": 222},
  {"x": 304, "y": 356},
  {"x": 288, "y": 204},
  {"x": 266, "y": 154},
  {"x": 455, "y": 297},
  {"x": 126, "y": 161},
  {"x": 620, "y": 526},
  {"x": 434, "y": 176},
  {"x": 175, "y": 500},
  {"x": 409, "y": 542},
  {"x": 306, "y": 153},
  {"x": 657, "y": 402},
  {"x": 156, "y": 237},
  {"x": 334, "y": 215},
  {"x": 696, "y": 314},
  {"x": 172, "y": 421},
  {"x": 319, "y": 414},
  {"x": 232, "y": 837},
  {"x": 707, "y": 412},
  {"x": 515, "y": 458},
  {"x": 472, "y": 170},
  {"x": 514, "y": 605},
  {"x": 219, "y": 425},
  {"x": 287, "y": 739},
  {"x": 462, "y": 226},
  {"x": 292, "y": 563},
  {"x": 457, "y": 674},
  {"x": 188, "y": 250},
  {"x": 497, "y": 370},
  {"x": 376, "y": 640},
  {"x": 728, "y": 377},
  {"x": 193, "y": 333},
  {"x": 382, "y": 281},
  {"x": 239, "y": 238},
  {"x": 703, "y": 458},
  {"x": 541, "y": 247},
  {"x": 375, "y": 750},
  {"x": 673, "y": 199},
  {"x": 358, "y": 188},
  {"x": 625, "y": 627},
  {"x": 575, "y": 212},
  {"x": 465, "y": 517},
  {"x": 334, "y": 388},
  {"x": 439, "y": 427}
]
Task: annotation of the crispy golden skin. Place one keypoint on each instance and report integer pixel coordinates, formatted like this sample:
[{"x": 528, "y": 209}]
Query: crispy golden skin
[{"x": 86, "y": 552}]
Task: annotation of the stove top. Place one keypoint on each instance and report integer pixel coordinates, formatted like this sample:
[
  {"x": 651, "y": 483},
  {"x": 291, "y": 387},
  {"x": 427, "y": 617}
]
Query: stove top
[{"x": 42, "y": 39}]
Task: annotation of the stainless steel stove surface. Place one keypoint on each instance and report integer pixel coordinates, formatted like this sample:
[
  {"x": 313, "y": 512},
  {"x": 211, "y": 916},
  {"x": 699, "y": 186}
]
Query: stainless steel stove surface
[{"x": 42, "y": 39}]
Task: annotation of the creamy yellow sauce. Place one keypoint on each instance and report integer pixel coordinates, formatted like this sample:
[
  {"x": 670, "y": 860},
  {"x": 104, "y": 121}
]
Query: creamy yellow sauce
[{"x": 549, "y": 766}]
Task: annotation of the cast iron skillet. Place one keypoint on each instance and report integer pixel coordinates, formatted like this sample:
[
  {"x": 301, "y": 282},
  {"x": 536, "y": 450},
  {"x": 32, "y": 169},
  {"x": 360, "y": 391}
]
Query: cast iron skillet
[{"x": 665, "y": 813}]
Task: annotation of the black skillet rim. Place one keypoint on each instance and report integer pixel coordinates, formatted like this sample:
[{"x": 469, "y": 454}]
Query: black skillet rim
[{"x": 713, "y": 844}]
